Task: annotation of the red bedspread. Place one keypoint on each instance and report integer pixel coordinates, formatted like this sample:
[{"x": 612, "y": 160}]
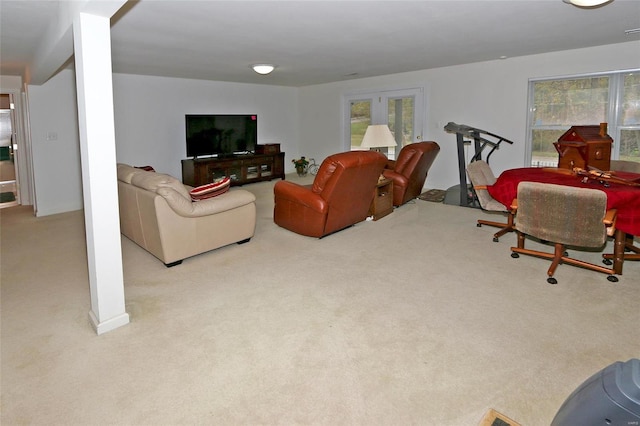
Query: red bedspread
[{"x": 624, "y": 198}]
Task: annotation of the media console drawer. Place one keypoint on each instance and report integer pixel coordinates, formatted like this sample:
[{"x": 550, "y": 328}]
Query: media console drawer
[{"x": 242, "y": 169}]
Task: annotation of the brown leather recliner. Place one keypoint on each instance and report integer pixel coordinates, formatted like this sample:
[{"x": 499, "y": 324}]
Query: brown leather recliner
[
  {"x": 409, "y": 171},
  {"x": 340, "y": 196}
]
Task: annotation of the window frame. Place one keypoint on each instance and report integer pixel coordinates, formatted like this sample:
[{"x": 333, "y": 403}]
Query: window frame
[{"x": 612, "y": 118}]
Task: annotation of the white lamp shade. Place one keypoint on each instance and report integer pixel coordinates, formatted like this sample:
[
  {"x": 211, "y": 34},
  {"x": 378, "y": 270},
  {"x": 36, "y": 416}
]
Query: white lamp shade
[
  {"x": 586, "y": 3},
  {"x": 263, "y": 68},
  {"x": 378, "y": 136}
]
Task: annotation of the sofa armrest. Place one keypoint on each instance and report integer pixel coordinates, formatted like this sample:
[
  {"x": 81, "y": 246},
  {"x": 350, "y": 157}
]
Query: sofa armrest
[
  {"x": 391, "y": 164},
  {"x": 187, "y": 208}
]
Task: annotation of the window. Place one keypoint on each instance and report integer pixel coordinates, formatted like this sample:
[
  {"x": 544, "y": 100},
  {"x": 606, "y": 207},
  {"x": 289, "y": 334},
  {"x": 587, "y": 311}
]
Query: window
[
  {"x": 558, "y": 104},
  {"x": 400, "y": 109}
]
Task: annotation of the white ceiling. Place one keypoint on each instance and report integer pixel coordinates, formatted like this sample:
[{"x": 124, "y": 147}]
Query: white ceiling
[{"x": 315, "y": 42}]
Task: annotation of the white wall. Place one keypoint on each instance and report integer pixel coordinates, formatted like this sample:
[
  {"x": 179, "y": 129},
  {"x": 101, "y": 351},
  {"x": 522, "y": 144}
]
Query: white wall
[
  {"x": 488, "y": 95},
  {"x": 149, "y": 114},
  {"x": 10, "y": 82},
  {"x": 56, "y": 163}
]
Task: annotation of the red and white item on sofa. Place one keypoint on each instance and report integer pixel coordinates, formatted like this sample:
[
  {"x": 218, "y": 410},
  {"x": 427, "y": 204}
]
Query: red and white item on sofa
[{"x": 218, "y": 187}]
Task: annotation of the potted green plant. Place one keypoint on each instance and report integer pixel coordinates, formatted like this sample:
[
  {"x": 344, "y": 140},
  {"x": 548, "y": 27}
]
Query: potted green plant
[{"x": 301, "y": 166}]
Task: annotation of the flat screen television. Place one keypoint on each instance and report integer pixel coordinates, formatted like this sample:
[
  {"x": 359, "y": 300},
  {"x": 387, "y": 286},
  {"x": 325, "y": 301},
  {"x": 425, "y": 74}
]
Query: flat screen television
[{"x": 209, "y": 135}]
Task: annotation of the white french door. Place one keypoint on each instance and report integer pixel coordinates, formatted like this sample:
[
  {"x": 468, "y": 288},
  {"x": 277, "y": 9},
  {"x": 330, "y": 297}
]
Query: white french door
[{"x": 401, "y": 110}]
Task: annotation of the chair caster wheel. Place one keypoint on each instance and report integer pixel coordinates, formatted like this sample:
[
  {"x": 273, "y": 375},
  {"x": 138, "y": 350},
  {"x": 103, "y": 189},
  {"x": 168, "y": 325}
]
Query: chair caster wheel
[
  {"x": 612, "y": 278},
  {"x": 515, "y": 255},
  {"x": 479, "y": 225},
  {"x": 495, "y": 239},
  {"x": 552, "y": 280},
  {"x": 607, "y": 261}
]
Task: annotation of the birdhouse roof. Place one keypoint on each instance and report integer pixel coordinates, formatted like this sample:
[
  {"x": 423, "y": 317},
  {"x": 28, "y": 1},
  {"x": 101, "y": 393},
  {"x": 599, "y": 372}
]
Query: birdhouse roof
[{"x": 585, "y": 134}]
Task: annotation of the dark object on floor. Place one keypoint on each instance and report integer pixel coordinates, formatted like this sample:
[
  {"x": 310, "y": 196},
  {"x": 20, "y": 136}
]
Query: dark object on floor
[
  {"x": 7, "y": 197},
  {"x": 609, "y": 397},
  {"x": 434, "y": 195}
]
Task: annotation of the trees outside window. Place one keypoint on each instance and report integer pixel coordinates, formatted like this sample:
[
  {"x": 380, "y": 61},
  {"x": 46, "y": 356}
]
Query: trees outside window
[{"x": 558, "y": 104}]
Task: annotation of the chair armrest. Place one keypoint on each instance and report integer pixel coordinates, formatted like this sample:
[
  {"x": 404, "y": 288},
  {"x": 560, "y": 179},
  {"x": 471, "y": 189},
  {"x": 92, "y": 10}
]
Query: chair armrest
[
  {"x": 391, "y": 164},
  {"x": 397, "y": 178},
  {"x": 298, "y": 194},
  {"x": 610, "y": 221},
  {"x": 514, "y": 205},
  {"x": 610, "y": 217}
]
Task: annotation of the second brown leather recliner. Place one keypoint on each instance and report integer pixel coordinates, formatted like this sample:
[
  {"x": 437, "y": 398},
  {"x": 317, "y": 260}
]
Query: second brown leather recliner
[
  {"x": 340, "y": 196},
  {"x": 409, "y": 171}
]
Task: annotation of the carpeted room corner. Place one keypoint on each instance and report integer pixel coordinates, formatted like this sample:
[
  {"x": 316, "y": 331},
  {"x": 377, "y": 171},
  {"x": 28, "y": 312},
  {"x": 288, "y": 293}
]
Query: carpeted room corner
[{"x": 418, "y": 318}]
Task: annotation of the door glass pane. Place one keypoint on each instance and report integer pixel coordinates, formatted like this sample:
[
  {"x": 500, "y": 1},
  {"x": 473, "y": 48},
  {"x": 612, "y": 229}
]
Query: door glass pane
[
  {"x": 360, "y": 118},
  {"x": 5, "y": 127},
  {"x": 401, "y": 120}
]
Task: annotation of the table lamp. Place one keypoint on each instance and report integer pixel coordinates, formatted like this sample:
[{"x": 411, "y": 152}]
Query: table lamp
[{"x": 378, "y": 136}]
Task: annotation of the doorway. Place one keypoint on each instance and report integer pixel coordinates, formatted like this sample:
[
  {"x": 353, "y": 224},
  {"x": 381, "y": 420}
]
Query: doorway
[
  {"x": 400, "y": 109},
  {"x": 8, "y": 183}
]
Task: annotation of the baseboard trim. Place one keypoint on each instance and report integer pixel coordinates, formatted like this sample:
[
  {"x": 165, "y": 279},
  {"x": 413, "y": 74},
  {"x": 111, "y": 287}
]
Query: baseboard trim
[{"x": 110, "y": 324}]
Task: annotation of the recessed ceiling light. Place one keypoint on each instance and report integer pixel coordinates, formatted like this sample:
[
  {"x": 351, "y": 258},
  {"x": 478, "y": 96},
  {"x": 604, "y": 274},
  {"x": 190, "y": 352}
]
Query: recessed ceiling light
[{"x": 263, "y": 68}]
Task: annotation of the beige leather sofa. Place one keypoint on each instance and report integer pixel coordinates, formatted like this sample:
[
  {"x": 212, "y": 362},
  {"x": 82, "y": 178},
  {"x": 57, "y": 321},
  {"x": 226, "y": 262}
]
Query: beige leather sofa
[{"x": 156, "y": 212}]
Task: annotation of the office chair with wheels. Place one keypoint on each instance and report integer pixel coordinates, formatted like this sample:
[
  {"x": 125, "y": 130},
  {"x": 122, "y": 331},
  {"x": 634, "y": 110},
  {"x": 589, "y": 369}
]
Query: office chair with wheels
[
  {"x": 563, "y": 216},
  {"x": 625, "y": 166},
  {"x": 481, "y": 176}
]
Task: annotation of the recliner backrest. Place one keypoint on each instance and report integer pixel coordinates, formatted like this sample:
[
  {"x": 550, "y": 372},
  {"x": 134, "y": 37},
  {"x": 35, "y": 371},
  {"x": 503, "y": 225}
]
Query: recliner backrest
[
  {"x": 414, "y": 162},
  {"x": 346, "y": 181}
]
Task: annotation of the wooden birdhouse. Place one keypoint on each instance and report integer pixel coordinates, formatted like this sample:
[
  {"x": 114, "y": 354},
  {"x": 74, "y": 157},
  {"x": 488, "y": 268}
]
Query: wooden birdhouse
[{"x": 584, "y": 147}]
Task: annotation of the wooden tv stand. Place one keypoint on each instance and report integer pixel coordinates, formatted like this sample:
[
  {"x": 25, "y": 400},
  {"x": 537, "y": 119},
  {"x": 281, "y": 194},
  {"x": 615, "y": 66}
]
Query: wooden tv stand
[{"x": 241, "y": 168}]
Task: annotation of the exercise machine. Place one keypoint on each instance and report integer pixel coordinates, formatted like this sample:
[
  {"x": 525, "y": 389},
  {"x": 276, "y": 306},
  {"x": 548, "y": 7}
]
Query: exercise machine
[{"x": 481, "y": 140}]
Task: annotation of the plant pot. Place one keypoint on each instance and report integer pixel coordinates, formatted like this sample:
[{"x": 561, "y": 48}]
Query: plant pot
[{"x": 301, "y": 170}]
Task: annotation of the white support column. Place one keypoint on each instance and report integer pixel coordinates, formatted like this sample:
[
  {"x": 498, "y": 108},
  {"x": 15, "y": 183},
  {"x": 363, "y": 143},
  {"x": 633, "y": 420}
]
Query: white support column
[{"x": 92, "y": 45}]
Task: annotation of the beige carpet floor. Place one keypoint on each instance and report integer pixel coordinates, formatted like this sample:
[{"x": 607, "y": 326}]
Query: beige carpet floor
[{"x": 418, "y": 318}]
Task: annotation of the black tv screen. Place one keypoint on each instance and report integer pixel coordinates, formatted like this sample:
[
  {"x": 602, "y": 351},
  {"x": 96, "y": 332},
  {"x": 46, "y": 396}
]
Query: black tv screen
[{"x": 221, "y": 134}]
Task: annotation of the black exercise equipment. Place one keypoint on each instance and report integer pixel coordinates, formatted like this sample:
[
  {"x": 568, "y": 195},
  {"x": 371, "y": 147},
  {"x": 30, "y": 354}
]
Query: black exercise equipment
[{"x": 480, "y": 142}]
